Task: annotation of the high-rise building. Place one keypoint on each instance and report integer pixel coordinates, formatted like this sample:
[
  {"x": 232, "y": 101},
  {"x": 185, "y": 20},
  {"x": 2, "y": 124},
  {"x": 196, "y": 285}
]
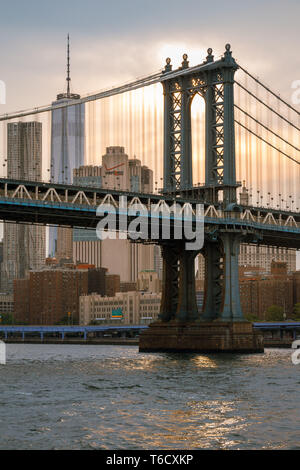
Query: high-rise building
[
  {"x": 296, "y": 287},
  {"x": 96, "y": 278},
  {"x": 258, "y": 256},
  {"x": 112, "y": 285},
  {"x": 86, "y": 245},
  {"x": 158, "y": 261},
  {"x": 21, "y": 300},
  {"x": 125, "y": 174},
  {"x": 51, "y": 294},
  {"x": 23, "y": 245},
  {"x": 119, "y": 256},
  {"x": 115, "y": 169},
  {"x": 64, "y": 244},
  {"x": 262, "y": 256},
  {"x": 67, "y": 153},
  {"x": 54, "y": 295},
  {"x": 146, "y": 179}
]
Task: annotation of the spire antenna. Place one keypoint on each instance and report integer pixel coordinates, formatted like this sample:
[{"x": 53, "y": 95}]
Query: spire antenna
[{"x": 68, "y": 67}]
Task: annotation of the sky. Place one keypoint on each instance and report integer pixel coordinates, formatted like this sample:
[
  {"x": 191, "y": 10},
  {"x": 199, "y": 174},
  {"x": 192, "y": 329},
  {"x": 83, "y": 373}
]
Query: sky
[{"x": 119, "y": 40}]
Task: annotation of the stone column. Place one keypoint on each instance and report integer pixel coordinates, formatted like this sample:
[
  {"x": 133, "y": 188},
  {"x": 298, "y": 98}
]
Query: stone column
[
  {"x": 232, "y": 310},
  {"x": 213, "y": 291},
  {"x": 187, "y": 309},
  {"x": 169, "y": 300}
]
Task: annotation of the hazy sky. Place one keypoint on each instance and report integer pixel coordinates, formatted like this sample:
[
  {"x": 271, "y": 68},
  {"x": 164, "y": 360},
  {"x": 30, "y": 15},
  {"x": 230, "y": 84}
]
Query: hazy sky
[{"x": 116, "y": 40}]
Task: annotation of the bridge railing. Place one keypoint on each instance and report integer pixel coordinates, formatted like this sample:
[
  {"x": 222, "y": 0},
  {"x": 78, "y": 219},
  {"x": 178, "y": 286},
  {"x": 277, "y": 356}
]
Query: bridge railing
[{"x": 90, "y": 198}]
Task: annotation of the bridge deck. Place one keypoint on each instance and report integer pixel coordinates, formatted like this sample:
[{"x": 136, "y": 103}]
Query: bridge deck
[{"x": 75, "y": 206}]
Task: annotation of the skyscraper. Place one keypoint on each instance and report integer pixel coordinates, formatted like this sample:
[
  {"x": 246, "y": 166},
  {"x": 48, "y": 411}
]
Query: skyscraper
[
  {"x": 86, "y": 245},
  {"x": 259, "y": 256},
  {"x": 124, "y": 174},
  {"x": 67, "y": 151},
  {"x": 23, "y": 245}
]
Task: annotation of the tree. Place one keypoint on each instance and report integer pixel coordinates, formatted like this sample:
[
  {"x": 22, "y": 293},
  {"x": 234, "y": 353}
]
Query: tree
[
  {"x": 251, "y": 317},
  {"x": 296, "y": 311},
  {"x": 274, "y": 313},
  {"x": 7, "y": 319}
]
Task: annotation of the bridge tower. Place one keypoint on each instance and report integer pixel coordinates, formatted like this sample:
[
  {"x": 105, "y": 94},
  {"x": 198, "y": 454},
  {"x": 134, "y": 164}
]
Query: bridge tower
[{"x": 220, "y": 326}]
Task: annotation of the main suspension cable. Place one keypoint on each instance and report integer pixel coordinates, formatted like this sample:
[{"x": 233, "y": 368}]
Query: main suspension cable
[
  {"x": 266, "y": 142},
  {"x": 265, "y": 127},
  {"x": 269, "y": 90},
  {"x": 139, "y": 83},
  {"x": 267, "y": 106}
]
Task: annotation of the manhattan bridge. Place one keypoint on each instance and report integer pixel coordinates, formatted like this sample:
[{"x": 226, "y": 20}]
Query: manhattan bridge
[{"x": 211, "y": 133}]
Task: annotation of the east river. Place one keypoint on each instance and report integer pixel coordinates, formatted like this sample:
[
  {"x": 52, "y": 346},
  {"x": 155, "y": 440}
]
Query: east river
[{"x": 112, "y": 397}]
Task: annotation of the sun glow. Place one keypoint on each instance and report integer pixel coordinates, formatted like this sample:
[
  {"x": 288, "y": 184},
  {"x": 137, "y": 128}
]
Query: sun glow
[{"x": 176, "y": 51}]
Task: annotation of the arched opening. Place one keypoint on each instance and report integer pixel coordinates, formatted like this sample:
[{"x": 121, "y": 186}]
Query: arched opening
[{"x": 198, "y": 139}]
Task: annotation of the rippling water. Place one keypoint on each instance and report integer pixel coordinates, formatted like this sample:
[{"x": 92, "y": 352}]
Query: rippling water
[{"x": 112, "y": 397}]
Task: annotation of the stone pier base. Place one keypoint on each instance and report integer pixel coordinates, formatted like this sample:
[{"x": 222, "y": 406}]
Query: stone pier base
[{"x": 209, "y": 337}]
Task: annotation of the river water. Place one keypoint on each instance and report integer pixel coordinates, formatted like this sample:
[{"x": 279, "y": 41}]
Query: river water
[{"x": 112, "y": 397}]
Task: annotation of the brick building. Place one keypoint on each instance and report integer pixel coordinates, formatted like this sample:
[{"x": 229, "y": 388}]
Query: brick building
[
  {"x": 96, "y": 278},
  {"x": 259, "y": 294},
  {"x": 260, "y": 291},
  {"x": 21, "y": 301},
  {"x": 296, "y": 287},
  {"x": 52, "y": 293},
  {"x": 112, "y": 284}
]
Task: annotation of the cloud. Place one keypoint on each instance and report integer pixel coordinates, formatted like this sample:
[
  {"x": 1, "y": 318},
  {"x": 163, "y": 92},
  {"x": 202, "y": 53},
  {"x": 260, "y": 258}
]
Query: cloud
[
  {"x": 35, "y": 70},
  {"x": 115, "y": 41}
]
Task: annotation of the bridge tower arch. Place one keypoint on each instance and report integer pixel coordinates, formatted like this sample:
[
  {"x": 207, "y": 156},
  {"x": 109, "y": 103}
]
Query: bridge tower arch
[{"x": 214, "y": 81}]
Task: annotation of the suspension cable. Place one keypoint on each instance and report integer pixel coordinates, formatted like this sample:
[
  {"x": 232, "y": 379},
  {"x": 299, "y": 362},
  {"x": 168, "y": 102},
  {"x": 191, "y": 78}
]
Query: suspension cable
[
  {"x": 139, "y": 83},
  {"x": 267, "y": 106},
  {"x": 266, "y": 142},
  {"x": 160, "y": 76},
  {"x": 265, "y": 127},
  {"x": 270, "y": 91}
]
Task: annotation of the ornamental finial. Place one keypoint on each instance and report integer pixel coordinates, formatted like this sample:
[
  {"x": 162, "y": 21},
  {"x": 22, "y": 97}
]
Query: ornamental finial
[
  {"x": 168, "y": 66},
  {"x": 228, "y": 52},
  {"x": 210, "y": 57},
  {"x": 185, "y": 62}
]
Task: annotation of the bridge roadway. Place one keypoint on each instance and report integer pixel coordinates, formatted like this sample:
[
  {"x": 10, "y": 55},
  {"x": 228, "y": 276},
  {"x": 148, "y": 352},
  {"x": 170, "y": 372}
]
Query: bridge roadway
[
  {"x": 84, "y": 331},
  {"x": 64, "y": 330},
  {"x": 75, "y": 206}
]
